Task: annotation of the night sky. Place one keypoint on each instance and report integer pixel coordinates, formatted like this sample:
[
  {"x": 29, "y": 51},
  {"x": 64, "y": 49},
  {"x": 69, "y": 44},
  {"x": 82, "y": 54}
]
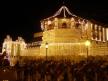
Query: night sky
[{"x": 23, "y": 18}]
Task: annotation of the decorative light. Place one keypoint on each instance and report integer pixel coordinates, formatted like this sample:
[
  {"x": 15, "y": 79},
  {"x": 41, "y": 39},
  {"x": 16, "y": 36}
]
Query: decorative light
[
  {"x": 64, "y": 19},
  {"x": 49, "y": 22},
  {"x": 63, "y": 8},
  {"x": 46, "y": 45},
  {"x": 72, "y": 19},
  {"x": 107, "y": 33},
  {"x": 87, "y": 43},
  {"x": 64, "y": 44},
  {"x": 42, "y": 26},
  {"x": 56, "y": 19},
  {"x": 86, "y": 26}
]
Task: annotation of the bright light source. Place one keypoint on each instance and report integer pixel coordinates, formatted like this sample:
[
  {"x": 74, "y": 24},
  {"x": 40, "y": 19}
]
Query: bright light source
[
  {"x": 56, "y": 19},
  {"x": 49, "y": 22},
  {"x": 87, "y": 43},
  {"x": 46, "y": 46},
  {"x": 107, "y": 33},
  {"x": 72, "y": 19},
  {"x": 64, "y": 19}
]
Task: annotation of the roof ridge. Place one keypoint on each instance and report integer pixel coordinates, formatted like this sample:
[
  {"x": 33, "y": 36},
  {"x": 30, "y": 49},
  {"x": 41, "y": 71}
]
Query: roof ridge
[{"x": 64, "y": 9}]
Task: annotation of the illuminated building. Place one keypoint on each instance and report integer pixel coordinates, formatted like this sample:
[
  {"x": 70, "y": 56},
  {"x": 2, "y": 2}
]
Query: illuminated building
[
  {"x": 65, "y": 35},
  {"x": 13, "y": 48}
]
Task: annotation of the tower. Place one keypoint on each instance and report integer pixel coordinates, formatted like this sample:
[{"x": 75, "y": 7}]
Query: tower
[
  {"x": 64, "y": 33},
  {"x": 14, "y": 49}
]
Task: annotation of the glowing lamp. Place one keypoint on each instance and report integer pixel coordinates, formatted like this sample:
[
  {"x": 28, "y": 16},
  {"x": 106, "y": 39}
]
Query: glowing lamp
[
  {"x": 87, "y": 43},
  {"x": 46, "y": 46}
]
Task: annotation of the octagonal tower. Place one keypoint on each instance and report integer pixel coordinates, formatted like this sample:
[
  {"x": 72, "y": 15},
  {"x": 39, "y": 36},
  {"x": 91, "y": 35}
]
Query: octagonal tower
[{"x": 65, "y": 34}]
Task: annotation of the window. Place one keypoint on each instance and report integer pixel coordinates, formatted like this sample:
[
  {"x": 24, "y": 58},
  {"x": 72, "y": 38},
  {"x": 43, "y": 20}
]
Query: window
[{"x": 64, "y": 25}]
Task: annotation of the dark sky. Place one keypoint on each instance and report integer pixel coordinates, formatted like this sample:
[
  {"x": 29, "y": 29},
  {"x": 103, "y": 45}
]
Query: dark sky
[{"x": 23, "y": 18}]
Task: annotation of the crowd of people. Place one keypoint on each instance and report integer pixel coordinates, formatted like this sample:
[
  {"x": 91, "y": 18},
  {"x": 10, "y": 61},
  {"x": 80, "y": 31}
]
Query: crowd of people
[
  {"x": 62, "y": 70},
  {"x": 4, "y": 59}
]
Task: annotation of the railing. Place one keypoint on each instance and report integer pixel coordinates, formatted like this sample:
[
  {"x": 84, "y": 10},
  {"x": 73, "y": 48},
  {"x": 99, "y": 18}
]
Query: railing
[{"x": 34, "y": 44}]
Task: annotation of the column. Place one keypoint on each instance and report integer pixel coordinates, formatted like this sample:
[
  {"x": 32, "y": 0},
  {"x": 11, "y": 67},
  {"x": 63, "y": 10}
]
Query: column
[
  {"x": 95, "y": 32},
  {"x": 42, "y": 25},
  {"x": 12, "y": 50},
  {"x": 103, "y": 29},
  {"x": 56, "y": 23},
  {"x": 72, "y": 22},
  {"x": 107, "y": 34},
  {"x": 91, "y": 28},
  {"x": 45, "y": 25},
  {"x": 100, "y": 33}
]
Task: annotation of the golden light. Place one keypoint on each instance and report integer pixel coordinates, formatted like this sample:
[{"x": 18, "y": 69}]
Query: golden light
[
  {"x": 56, "y": 19},
  {"x": 107, "y": 33},
  {"x": 72, "y": 19},
  {"x": 87, "y": 43},
  {"x": 64, "y": 19},
  {"x": 49, "y": 22},
  {"x": 46, "y": 46}
]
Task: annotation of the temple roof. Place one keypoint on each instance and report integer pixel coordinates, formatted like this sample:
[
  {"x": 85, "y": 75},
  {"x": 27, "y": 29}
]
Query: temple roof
[{"x": 62, "y": 12}]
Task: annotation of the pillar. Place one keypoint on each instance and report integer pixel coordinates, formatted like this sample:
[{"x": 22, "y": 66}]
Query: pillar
[
  {"x": 103, "y": 31},
  {"x": 56, "y": 23},
  {"x": 107, "y": 34},
  {"x": 100, "y": 33}
]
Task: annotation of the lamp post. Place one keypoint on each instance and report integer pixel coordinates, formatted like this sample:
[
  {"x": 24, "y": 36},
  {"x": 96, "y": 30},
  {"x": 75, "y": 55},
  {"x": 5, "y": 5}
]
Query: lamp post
[
  {"x": 46, "y": 46},
  {"x": 87, "y": 44}
]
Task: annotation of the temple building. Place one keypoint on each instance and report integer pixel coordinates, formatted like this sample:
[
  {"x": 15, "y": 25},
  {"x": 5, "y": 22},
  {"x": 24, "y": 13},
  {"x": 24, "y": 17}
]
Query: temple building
[
  {"x": 66, "y": 34},
  {"x": 63, "y": 34}
]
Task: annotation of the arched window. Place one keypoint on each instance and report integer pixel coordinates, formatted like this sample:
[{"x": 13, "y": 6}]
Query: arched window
[
  {"x": 77, "y": 24},
  {"x": 64, "y": 25},
  {"x": 50, "y": 26}
]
